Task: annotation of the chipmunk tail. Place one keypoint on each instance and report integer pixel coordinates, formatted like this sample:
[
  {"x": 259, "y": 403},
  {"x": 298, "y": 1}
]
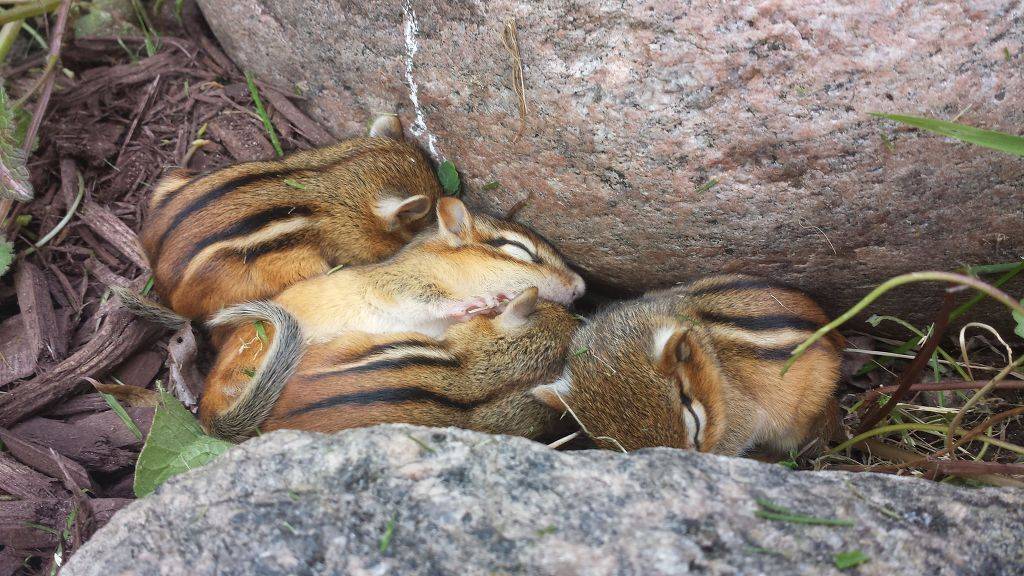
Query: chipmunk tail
[
  {"x": 243, "y": 419},
  {"x": 147, "y": 309}
]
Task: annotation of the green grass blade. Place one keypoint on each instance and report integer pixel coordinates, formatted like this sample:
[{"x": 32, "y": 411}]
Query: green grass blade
[
  {"x": 122, "y": 414},
  {"x": 385, "y": 539},
  {"x": 801, "y": 519},
  {"x": 988, "y": 138},
  {"x": 262, "y": 112},
  {"x": 1006, "y": 277}
]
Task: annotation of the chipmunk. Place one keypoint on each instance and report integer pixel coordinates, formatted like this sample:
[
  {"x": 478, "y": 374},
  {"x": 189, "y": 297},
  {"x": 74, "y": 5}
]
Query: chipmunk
[
  {"x": 465, "y": 267},
  {"x": 250, "y": 230},
  {"x": 697, "y": 366},
  {"x": 478, "y": 377}
]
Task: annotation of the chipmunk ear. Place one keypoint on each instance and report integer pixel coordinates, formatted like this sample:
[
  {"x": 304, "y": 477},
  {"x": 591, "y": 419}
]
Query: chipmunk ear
[
  {"x": 386, "y": 126},
  {"x": 454, "y": 220},
  {"x": 395, "y": 211},
  {"x": 519, "y": 308},
  {"x": 556, "y": 394},
  {"x": 670, "y": 347}
]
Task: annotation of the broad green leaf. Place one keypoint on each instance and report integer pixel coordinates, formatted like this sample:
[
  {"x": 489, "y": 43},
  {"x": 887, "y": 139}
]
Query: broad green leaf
[
  {"x": 988, "y": 138},
  {"x": 175, "y": 444},
  {"x": 449, "y": 178},
  {"x": 14, "y": 177},
  {"x": 6, "y": 255}
]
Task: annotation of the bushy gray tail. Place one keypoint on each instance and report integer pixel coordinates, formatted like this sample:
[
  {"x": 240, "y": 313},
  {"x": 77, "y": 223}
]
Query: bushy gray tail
[
  {"x": 147, "y": 309},
  {"x": 244, "y": 418}
]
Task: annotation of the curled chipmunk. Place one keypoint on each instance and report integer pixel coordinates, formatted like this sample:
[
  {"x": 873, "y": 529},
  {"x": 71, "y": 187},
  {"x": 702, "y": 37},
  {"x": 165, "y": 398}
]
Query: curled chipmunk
[
  {"x": 248, "y": 231},
  {"x": 465, "y": 267},
  {"x": 478, "y": 376},
  {"x": 698, "y": 366}
]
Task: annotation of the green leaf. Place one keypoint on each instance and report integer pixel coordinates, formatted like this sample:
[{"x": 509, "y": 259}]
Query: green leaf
[
  {"x": 175, "y": 444},
  {"x": 6, "y": 255},
  {"x": 261, "y": 331},
  {"x": 14, "y": 177},
  {"x": 850, "y": 559},
  {"x": 449, "y": 178},
  {"x": 149, "y": 286},
  {"x": 491, "y": 185},
  {"x": 988, "y": 138},
  {"x": 122, "y": 414},
  {"x": 1019, "y": 330},
  {"x": 262, "y": 113},
  {"x": 294, "y": 184}
]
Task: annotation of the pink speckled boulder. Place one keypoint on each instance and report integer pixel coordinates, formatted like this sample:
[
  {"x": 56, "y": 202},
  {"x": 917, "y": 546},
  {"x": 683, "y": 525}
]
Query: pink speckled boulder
[{"x": 669, "y": 139}]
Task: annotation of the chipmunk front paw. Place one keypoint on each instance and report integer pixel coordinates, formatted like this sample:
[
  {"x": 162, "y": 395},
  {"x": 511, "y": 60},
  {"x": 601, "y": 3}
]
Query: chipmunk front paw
[{"x": 488, "y": 304}]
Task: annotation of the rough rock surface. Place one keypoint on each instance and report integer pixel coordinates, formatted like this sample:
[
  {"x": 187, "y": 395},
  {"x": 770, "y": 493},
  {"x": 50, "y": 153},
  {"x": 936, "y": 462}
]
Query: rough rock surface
[
  {"x": 635, "y": 109},
  {"x": 459, "y": 502}
]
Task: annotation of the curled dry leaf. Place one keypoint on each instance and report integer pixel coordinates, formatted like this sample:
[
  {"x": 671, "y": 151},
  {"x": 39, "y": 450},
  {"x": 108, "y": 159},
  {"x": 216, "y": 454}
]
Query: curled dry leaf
[
  {"x": 130, "y": 395},
  {"x": 185, "y": 381}
]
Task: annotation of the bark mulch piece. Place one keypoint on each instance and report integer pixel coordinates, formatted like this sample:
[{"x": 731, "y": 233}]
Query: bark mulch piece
[
  {"x": 43, "y": 459},
  {"x": 140, "y": 369},
  {"x": 121, "y": 334},
  {"x": 41, "y": 328},
  {"x": 18, "y": 355},
  {"x": 99, "y": 441},
  {"x": 19, "y": 480}
]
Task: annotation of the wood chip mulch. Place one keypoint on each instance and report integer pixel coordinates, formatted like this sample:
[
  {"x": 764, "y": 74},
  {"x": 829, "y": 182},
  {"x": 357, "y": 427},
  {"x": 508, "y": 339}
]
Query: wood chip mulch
[{"x": 118, "y": 120}]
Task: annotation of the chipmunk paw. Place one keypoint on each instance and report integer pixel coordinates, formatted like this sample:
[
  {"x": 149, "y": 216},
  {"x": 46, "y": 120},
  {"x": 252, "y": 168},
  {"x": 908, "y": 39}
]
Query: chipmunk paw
[{"x": 488, "y": 304}]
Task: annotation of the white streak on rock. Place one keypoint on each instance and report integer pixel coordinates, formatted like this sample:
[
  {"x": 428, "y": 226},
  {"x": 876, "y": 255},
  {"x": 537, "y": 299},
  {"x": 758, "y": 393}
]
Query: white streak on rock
[{"x": 419, "y": 126}]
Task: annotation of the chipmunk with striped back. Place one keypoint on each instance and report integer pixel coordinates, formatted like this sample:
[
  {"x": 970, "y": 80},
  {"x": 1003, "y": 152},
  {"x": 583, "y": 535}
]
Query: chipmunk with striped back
[
  {"x": 478, "y": 376},
  {"x": 698, "y": 366},
  {"x": 248, "y": 231},
  {"x": 467, "y": 266}
]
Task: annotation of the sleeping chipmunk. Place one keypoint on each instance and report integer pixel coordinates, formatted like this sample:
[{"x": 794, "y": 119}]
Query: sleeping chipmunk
[
  {"x": 697, "y": 366},
  {"x": 465, "y": 267},
  {"x": 248, "y": 231},
  {"x": 478, "y": 376}
]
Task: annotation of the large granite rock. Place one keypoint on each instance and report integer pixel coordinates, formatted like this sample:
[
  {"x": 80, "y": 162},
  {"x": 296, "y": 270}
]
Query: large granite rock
[
  {"x": 411, "y": 501},
  {"x": 635, "y": 109}
]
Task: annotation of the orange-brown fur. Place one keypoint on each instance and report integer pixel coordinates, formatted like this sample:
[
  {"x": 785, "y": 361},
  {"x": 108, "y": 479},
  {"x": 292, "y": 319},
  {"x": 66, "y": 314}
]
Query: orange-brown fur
[
  {"x": 720, "y": 343},
  {"x": 425, "y": 288},
  {"x": 486, "y": 388},
  {"x": 238, "y": 358},
  {"x": 431, "y": 282},
  {"x": 244, "y": 233},
  {"x": 478, "y": 376}
]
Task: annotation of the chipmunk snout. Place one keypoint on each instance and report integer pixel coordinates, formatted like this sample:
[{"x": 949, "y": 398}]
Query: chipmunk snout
[{"x": 578, "y": 285}]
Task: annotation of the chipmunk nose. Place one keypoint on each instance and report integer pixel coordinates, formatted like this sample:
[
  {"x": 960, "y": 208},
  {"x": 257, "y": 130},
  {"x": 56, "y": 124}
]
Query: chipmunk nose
[{"x": 578, "y": 286}]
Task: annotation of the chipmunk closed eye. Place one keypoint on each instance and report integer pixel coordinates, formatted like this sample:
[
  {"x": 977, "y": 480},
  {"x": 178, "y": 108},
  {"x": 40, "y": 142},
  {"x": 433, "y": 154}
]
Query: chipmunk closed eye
[
  {"x": 444, "y": 276},
  {"x": 697, "y": 366}
]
